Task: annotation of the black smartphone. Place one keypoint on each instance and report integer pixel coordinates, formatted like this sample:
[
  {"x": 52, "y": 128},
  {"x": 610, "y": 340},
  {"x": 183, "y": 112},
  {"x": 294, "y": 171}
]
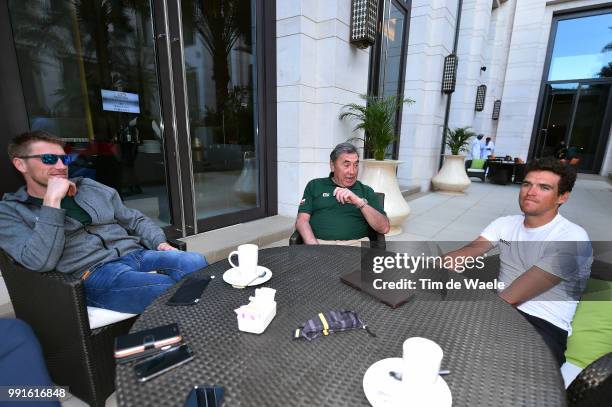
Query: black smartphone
[
  {"x": 200, "y": 396},
  {"x": 138, "y": 342},
  {"x": 163, "y": 362},
  {"x": 190, "y": 291}
]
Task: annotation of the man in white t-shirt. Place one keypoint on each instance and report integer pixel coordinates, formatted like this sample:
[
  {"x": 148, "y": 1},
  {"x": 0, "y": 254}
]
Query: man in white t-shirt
[{"x": 545, "y": 259}]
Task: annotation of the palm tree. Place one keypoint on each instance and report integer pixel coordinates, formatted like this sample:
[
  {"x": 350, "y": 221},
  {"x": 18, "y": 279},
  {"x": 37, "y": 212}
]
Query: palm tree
[
  {"x": 376, "y": 118},
  {"x": 221, "y": 23},
  {"x": 458, "y": 139}
]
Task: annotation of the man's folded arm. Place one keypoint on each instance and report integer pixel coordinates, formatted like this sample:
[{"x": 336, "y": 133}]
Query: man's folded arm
[
  {"x": 528, "y": 285},
  {"x": 378, "y": 221},
  {"x": 38, "y": 249},
  {"x": 137, "y": 223}
]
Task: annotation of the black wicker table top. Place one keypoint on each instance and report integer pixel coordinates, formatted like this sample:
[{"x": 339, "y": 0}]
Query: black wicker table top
[{"x": 495, "y": 356}]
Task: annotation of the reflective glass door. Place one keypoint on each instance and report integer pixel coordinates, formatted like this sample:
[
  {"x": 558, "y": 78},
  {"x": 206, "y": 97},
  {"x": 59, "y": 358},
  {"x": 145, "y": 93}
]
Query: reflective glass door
[
  {"x": 221, "y": 69},
  {"x": 88, "y": 69},
  {"x": 556, "y": 118},
  {"x": 585, "y": 141},
  {"x": 575, "y": 117},
  {"x": 574, "y": 123}
]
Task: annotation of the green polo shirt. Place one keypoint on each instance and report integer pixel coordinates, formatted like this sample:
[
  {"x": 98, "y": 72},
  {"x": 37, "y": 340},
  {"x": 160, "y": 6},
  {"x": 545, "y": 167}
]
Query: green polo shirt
[
  {"x": 329, "y": 219},
  {"x": 73, "y": 210}
]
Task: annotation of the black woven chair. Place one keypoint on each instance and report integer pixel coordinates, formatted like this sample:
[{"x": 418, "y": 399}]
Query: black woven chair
[
  {"x": 519, "y": 173},
  {"x": 500, "y": 172},
  {"x": 593, "y": 386},
  {"x": 54, "y": 305},
  {"x": 377, "y": 240}
]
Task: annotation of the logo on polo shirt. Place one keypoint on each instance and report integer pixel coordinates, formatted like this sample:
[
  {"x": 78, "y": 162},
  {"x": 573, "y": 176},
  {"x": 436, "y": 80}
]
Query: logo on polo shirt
[
  {"x": 325, "y": 194},
  {"x": 507, "y": 243},
  {"x": 303, "y": 201}
]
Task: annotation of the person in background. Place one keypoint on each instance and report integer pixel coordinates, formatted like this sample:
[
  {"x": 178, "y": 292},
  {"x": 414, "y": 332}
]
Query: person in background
[
  {"x": 475, "y": 148},
  {"x": 483, "y": 146},
  {"x": 490, "y": 147}
]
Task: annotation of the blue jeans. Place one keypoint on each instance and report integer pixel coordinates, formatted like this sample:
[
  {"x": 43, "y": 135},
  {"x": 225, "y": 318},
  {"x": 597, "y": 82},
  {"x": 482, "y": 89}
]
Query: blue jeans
[{"x": 125, "y": 284}]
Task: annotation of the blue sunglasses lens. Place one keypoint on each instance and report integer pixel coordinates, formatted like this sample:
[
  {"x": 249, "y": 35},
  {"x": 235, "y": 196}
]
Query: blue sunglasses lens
[{"x": 51, "y": 159}]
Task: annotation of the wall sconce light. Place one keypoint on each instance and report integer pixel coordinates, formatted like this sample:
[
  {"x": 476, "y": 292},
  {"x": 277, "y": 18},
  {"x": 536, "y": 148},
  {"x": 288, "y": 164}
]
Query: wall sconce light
[
  {"x": 481, "y": 93},
  {"x": 363, "y": 22},
  {"x": 449, "y": 73},
  {"x": 496, "y": 108}
]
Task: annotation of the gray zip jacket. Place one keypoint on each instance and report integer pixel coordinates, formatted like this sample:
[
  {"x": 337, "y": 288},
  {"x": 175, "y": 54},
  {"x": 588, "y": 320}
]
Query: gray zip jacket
[{"x": 42, "y": 238}]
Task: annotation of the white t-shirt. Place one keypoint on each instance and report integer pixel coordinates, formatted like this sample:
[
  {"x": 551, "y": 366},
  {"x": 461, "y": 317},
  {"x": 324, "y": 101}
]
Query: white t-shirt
[{"x": 560, "y": 247}]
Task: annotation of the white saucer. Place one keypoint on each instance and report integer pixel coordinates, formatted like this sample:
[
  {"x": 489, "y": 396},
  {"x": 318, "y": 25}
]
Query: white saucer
[
  {"x": 233, "y": 277},
  {"x": 382, "y": 390}
]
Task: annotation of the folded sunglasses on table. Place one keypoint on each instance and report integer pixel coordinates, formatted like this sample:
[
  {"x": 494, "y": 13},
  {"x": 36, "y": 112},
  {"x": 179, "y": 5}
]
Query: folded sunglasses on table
[{"x": 328, "y": 322}]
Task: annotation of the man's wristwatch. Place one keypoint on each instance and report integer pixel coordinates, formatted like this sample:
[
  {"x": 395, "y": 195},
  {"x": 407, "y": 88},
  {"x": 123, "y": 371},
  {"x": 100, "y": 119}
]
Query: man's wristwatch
[{"x": 365, "y": 202}]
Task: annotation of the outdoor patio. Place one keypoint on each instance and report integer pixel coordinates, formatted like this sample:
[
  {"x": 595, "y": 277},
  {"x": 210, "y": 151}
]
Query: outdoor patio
[{"x": 443, "y": 217}]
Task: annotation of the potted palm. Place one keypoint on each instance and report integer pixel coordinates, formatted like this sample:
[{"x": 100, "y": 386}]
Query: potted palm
[
  {"x": 452, "y": 176},
  {"x": 376, "y": 119}
]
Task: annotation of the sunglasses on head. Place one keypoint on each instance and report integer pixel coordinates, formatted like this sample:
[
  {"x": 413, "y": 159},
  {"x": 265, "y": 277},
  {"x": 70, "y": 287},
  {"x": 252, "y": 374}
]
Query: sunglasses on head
[{"x": 51, "y": 159}]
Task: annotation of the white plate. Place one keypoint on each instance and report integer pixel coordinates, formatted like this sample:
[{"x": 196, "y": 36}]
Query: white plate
[
  {"x": 233, "y": 277},
  {"x": 382, "y": 390}
]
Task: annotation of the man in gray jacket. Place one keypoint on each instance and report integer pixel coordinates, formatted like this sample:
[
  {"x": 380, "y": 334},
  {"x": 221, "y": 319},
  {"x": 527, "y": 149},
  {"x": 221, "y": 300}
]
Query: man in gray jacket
[{"x": 81, "y": 227}]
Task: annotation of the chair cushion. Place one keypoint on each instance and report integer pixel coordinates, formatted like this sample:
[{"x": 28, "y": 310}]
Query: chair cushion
[
  {"x": 99, "y": 317},
  {"x": 478, "y": 164},
  {"x": 569, "y": 371},
  {"x": 592, "y": 325}
]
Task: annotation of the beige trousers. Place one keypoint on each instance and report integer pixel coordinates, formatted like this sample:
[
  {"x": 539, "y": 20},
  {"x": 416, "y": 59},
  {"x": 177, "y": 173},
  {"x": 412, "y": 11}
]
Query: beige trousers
[{"x": 355, "y": 242}]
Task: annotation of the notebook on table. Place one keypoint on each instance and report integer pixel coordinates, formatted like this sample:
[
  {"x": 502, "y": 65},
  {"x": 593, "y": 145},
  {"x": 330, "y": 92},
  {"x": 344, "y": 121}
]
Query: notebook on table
[{"x": 392, "y": 298}]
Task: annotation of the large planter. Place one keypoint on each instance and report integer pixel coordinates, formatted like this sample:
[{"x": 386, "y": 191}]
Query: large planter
[
  {"x": 452, "y": 176},
  {"x": 381, "y": 176}
]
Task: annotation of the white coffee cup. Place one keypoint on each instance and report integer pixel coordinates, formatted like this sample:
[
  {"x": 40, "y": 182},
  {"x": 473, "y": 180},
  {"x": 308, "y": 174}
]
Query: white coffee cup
[
  {"x": 422, "y": 358},
  {"x": 247, "y": 259}
]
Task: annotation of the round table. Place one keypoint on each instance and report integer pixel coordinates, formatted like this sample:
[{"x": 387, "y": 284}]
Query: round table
[{"x": 495, "y": 356}]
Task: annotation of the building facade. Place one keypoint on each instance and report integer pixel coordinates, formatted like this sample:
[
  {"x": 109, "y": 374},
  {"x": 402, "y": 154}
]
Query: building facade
[
  {"x": 205, "y": 114},
  {"x": 547, "y": 62}
]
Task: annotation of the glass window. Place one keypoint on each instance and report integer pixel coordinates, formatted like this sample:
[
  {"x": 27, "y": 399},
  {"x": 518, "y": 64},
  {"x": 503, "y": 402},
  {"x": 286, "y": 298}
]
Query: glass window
[
  {"x": 586, "y": 129},
  {"x": 582, "y": 48},
  {"x": 389, "y": 57},
  {"x": 391, "y": 64},
  {"x": 88, "y": 69},
  {"x": 221, "y": 69}
]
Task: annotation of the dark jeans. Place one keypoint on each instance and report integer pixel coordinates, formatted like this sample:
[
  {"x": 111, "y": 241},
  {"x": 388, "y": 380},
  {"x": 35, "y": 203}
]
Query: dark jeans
[
  {"x": 21, "y": 360},
  {"x": 125, "y": 284},
  {"x": 555, "y": 337}
]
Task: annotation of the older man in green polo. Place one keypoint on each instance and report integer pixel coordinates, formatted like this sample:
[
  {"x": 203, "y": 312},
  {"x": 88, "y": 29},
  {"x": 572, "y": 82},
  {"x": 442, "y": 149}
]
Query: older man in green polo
[{"x": 339, "y": 209}]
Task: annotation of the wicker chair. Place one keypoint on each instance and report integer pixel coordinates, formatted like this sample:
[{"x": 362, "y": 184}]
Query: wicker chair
[
  {"x": 593, "y": 386},
  {"x": 54, "y": 305},
  {"x": 377, "y": 240}
]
